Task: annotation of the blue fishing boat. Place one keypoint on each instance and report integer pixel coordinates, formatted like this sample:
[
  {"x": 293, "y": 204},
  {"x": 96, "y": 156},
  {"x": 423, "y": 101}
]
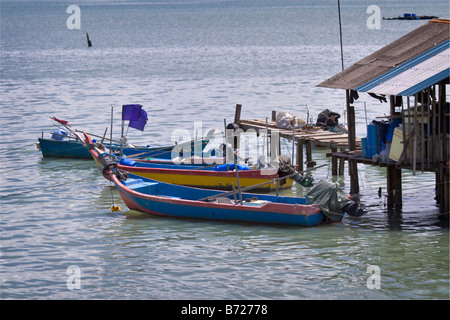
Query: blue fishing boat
[
  {"x": 163, "y": 199},
  {"x": 169, "y": 200},
  {"x": 63, "y": 148},
  {"x": 66, "y": 145},
  {"x": 74, "y": 149},
  {"x": 65, "y": 142}
]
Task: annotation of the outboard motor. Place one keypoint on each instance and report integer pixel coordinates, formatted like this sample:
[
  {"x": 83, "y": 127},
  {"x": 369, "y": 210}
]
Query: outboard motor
[{"x": 285, "y": 168}]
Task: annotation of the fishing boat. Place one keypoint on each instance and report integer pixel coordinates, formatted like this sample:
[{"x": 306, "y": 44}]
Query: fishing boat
[
  {"x": 213, "y": 176},
  {"x": 170, "y": 200},
  {"x": 64, "y": 143},
  {"x": 163, "y": 199},
  {"x": 62, "y": 148},
  {"x": 72, "y": 148},
  {"x": 411, "y": 16}
]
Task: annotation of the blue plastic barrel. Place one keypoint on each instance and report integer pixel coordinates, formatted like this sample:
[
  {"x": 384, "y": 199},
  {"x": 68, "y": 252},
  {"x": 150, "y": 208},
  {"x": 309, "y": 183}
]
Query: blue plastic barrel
[
  {"x": 372, "y": 140},
  {"x": 365, "y": 154}
]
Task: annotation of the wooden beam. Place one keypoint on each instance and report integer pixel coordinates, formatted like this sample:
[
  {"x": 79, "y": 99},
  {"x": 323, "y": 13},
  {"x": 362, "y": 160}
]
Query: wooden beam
[{"x": 237, "y": 114}]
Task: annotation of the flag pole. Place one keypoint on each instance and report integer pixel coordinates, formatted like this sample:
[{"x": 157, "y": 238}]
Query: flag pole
[
  {"x": 121, "y": 136},
  {"x": 110, "y": 133},
  {"x": 340, "y": 34}
]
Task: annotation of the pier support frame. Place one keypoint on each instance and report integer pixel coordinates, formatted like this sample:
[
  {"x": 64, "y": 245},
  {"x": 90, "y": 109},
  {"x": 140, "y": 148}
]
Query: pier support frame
[
  {"x": 394, "y": 186},
  {"x": 352, "y": 165}
]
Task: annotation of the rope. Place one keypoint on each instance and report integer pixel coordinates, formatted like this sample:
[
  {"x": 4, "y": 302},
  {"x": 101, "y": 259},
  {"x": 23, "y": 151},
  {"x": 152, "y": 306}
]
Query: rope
[
  {"x": 14, "y": 149},
  {"x": 38, "y": 189},
  {"x": 31, "y": 165},
  {"x": 112, "y": 197}
]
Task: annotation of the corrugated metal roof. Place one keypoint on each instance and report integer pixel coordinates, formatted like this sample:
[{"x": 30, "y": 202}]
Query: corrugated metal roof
[
  {"x": 415, "y": 75},
  {"x": 409, "y": 51}
]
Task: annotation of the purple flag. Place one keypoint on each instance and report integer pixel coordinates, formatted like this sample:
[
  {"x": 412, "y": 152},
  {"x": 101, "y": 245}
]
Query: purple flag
[
  {"x": 141, "y": 122},
  {"x": 131, "y": 112}
]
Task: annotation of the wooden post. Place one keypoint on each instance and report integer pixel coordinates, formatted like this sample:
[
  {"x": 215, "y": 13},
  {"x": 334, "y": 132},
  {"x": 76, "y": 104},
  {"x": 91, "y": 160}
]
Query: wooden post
[
  {"x": 237, "y": 114},
  {"x": 299, "y": 157},
  {"x": 352, "y": 165},
  {"x": 88, "y": 40},
  {"x": 334, "y": 162},
  {"x": 351, "y": 123},
  {"x": 341, "y": 165},
  {"x": 443, "y": 118},
  {"x": 309, "y": 162},
  {"x": 444, "y": 155},
  {"x": 392, "y": 104},
  {"x": 394, "y": 175},
  {"x": 274, "y": 115},
  {"x": 394, "y": 186}
]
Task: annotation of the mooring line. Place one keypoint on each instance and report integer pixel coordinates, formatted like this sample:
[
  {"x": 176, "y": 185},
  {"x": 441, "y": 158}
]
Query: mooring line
[
  {"x": 38, "y": 189},
  {"x": 14, "y": 149}
]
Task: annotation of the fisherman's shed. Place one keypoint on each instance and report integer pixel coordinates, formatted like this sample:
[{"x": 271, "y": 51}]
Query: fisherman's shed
[{"x": 413, "y": 74}]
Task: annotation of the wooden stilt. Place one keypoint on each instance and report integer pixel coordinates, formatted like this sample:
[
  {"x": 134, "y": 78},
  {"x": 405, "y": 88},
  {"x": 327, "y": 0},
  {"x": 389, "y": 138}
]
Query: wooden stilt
[
  {"x": 352, "y": 165},
  {"x": 237, "y": 114},
  {"x": 334, "y": 162},
  {"x": 309, "y": 161},
  {"x": 299, "y": 158},
  {"x": 394, "y": 186},
  {"x": 353, "y": 172}
]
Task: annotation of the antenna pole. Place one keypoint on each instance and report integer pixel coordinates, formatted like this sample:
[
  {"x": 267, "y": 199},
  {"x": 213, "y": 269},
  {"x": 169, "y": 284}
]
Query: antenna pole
[{"x": 340, "y": 33}]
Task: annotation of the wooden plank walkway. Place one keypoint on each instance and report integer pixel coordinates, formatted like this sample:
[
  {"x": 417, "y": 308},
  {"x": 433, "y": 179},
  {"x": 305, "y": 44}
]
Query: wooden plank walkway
[
  {"x": 305, "y": 136},
  {"x": 317, "y": 135}
]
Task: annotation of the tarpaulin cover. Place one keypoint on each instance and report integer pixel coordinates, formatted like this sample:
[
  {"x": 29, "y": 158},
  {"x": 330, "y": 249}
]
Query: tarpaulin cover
[{"x": 329, "y": 197}]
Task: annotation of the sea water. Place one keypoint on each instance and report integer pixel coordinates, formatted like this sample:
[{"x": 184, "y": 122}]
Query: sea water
[{"x": 189, "y": 63}]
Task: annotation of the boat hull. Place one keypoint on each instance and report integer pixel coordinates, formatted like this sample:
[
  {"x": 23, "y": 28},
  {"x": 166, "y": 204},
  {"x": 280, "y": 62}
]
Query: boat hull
[
  {"x": 172, "y": 206},
  {"x": 63, "y": 149},
  {"x": 74, "y": 149},
  {"x": 207, "y": 178}
]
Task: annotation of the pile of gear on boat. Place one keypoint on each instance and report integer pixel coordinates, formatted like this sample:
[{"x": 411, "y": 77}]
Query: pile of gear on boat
[{"x": 326, "y": 120}]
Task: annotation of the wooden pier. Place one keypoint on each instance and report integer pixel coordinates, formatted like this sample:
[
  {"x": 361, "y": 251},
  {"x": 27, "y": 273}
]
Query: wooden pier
[
  {"x": 414, "y": 81},
  {"x": 304, "y": 139},
  {"x": 413, "y": 73}
]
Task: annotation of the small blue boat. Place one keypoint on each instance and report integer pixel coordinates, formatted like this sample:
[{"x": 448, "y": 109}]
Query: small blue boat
[
  {"x": 64, "y": 145},
  {"x": 63, "y": 148},
  {"x": 74, "y": 149},
  {"x": 60, "y": 146}
]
